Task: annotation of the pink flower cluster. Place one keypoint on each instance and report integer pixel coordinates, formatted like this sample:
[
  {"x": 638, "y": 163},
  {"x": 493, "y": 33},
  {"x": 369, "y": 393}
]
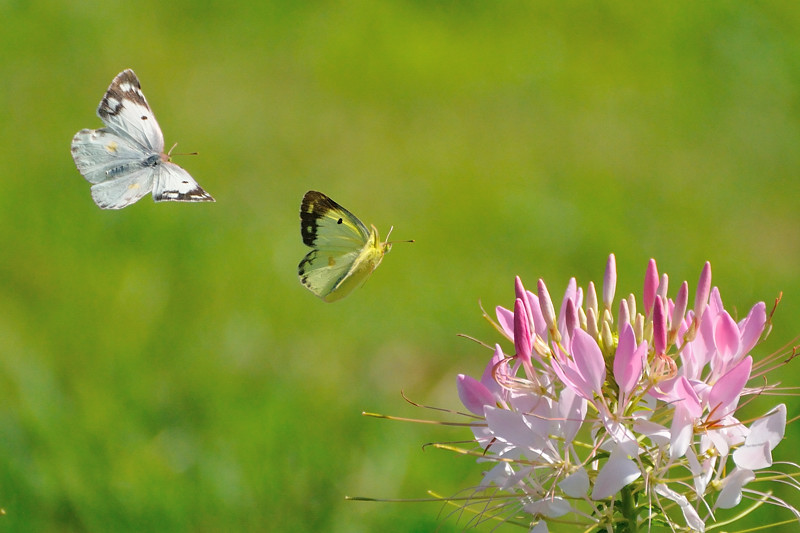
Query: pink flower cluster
[{"x": 602, "y": 417}]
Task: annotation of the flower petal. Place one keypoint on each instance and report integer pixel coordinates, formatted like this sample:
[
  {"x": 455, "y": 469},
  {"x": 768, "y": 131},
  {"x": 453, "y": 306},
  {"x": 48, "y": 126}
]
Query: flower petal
[
  {"x": 731, "y": 493},
  {"x": 576, "y": 485},
  {"x": 724, "y": 395},
  {"x": 589, "y": 360},
  {"x": 615, "y": 474},
  {"x": 473, "y": 394},
  {"x": 505, "y": 319},
  {"x": 549, "y": 507},
  {"x": 693, "y": 519},
  {"x": 765, "y": 434},
  {"x": 650, "y": 286},
  {"x": 627, "y": 360},
  {"x": 726, "y": 338},
  {"x": 753, "y": 326}
]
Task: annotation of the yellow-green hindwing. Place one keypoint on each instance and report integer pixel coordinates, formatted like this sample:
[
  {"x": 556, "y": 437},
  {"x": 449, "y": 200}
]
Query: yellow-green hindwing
[{"x": 344, "y": 252}]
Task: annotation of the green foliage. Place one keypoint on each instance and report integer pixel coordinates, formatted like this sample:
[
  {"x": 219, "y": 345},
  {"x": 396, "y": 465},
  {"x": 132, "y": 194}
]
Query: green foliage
[{"x": 161, "y": 367}]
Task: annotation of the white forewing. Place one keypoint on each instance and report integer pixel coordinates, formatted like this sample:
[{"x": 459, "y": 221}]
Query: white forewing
[
  {"x": 101, "y": 155},
  {"x": 124, "y": 161},
  {"x": 125, "y": 111}
]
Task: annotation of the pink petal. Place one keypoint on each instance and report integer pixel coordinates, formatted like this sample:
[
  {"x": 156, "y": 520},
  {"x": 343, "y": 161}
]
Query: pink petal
[
  {"x": 753, "y": 326},
  {"x": 610, "y": 281},
  {"x": 725, "y": 393},
  {"x": 589, "y": 360},
  {"x": 571, "y": 320},
  {"x": 659, "y": 327},
  {"x": 624, "y": 313},
  {"x": 663, "y": 286},
  {"x": 473, "y": 394},
  {"x": 627, "y": 361},
  {"x": 494, "y": 372},
  {"x": 685, "y": 393},
  {"x": 681, "y": 301},
  {"x": 650, "y": 286},
  {"x": 522, "y": 332},
  {"x": 726, "y": 337},
  {"x": 539, "y": 324},
  {"x": 546, "y": 306},
  {"x": 505, "y": 319},
  {"x": 703, "y": 288},
  {"x": 569, "y": 295}
]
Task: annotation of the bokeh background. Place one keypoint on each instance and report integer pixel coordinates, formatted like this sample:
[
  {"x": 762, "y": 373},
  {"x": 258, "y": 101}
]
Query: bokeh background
[{"x": 161, "y": 367}]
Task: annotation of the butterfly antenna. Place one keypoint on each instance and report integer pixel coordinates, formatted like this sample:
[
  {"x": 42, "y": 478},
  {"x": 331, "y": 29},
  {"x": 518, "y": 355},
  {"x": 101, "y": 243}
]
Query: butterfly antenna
[
  {"x": 393, "y": 242},
  {"x": 169, "y": 154}
]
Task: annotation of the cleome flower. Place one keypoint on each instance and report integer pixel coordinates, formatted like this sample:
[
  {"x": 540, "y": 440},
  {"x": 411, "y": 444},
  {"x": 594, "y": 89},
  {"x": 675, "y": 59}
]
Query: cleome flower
[{"x": 623, "y": 417}]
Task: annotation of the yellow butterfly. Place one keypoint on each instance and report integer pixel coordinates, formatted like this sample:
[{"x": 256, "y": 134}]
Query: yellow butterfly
[{"x": 344, "y": 252}]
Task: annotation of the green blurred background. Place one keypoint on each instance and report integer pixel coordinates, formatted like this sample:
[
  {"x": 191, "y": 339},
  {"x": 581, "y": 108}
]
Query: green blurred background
[{"x": 161, "y": 367}]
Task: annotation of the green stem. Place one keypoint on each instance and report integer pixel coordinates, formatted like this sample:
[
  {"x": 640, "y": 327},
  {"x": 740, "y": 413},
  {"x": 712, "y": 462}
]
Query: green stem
[{"x": 628, "y": 511}]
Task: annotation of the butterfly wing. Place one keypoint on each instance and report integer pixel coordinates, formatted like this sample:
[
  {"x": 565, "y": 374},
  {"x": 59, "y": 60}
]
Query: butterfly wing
[
  {"x": 344, "y": 251},
  {"x": 125, "y": 111},
  {"x": 124, "y": 190},
  {"x": 322, "y": 272},
  {"x": 172, "y": 183},
  {"x": 101, "y": 155},
  {"x": 323, "y": 221},
  {"x": 114, "y": 165}
]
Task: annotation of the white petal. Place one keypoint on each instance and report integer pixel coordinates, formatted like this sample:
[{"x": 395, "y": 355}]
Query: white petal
[
  {"x": 540, "y": 527},
  {"x": 753, "y": 457},
  {"x": 550, "y": 507},
  {"x": 731, "y": 493},
  {"x": 682, "y": 432},
  {"x": 615, "y": 474},
  {"x": 769, "y": 429},
  {"x": 657, "y": 433},
  {"x": 576, "y": 485},
  {"x": 689, "y": 513},
  {"x": 498, "y": 475}
]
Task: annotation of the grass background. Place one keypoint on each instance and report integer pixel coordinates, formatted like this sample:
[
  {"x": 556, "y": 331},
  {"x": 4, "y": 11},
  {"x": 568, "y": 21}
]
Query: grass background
[{"x": 162, "y": 369}]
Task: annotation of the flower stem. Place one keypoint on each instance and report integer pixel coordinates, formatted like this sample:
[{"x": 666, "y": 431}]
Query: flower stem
[{"x": 629, "y": 524}]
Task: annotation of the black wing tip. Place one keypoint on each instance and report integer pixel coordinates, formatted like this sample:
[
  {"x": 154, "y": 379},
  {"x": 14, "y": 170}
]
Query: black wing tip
[
  {"x": 126, "y": 75},
  {"x": 125, "y": 86},
  {"x": 313, "y": 207},
  {"x": 197, "y": 195}
]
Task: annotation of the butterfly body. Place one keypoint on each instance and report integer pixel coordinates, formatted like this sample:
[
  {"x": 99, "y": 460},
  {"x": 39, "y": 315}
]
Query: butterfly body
[
  {"x": 344, "y": 251},
  {"x": 125, "y": 160}
]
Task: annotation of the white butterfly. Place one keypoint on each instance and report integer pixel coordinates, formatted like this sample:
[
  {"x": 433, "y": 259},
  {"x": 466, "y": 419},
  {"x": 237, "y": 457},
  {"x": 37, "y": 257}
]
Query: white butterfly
[{"x": 126, "y": 159}]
